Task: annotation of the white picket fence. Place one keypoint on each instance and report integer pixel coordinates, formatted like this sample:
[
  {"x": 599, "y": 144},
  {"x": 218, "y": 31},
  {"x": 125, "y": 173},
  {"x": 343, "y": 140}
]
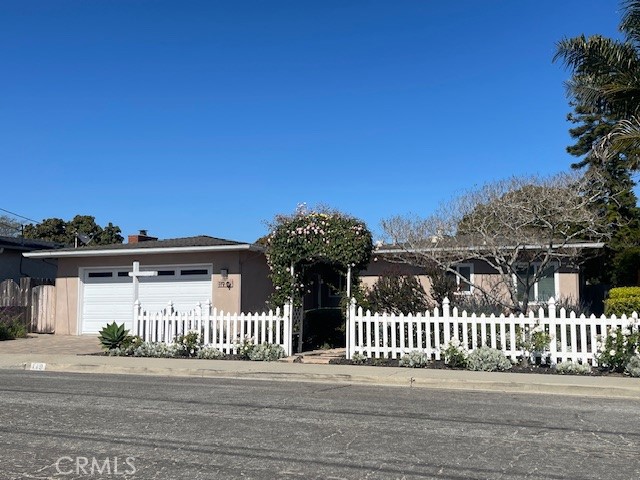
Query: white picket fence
[
  {"x": 218, "y": 329},
  {"x": 573, "y": 338}
]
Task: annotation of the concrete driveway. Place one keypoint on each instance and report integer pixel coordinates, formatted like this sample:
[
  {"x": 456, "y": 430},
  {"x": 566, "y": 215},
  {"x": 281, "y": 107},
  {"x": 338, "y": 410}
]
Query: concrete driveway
[{"x": 52, "y": 345}]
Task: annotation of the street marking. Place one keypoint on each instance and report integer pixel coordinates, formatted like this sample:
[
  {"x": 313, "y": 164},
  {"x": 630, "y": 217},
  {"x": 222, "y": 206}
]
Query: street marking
[{"x": 38, "y": 366}]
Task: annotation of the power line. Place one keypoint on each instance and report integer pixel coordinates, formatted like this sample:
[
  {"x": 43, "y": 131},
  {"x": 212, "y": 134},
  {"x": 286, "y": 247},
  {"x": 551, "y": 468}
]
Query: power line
[{"x": 17, "y": 215}]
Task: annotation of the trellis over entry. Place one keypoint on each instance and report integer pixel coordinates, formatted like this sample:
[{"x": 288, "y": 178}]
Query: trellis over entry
[
  {"x": 297, "y": 313},
  {"x": 308, "y": 238}
]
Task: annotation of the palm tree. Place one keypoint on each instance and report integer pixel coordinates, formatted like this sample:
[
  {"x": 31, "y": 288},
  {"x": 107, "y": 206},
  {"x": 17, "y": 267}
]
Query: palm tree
[{"x": 606, "y": 81}]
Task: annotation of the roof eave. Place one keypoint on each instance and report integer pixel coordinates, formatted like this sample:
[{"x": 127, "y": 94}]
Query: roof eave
[
  {"x": 141, "y": 251},
  {"x": 470, "y": 248}
]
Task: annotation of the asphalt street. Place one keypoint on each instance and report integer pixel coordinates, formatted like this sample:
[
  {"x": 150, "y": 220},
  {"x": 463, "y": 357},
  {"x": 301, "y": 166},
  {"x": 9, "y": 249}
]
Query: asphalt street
[{"x": 56, "y": 425}]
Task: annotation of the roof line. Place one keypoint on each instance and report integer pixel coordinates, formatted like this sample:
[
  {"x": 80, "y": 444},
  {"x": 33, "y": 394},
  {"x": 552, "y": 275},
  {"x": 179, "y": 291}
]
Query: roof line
[
  {"x": 141, "y": 251},
  {"x": 480, "y": 247}
]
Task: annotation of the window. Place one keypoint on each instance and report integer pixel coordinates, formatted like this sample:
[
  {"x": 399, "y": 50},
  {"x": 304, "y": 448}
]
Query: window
[
  {"x": 464, "y": 270},
  {"x": 195, "y": 271},
  {"x": 123, "y": 274},
  {"x": 100, "y": 274},
  {"x": 166, "y": 273},
  {"x": 543, "y": 289}
]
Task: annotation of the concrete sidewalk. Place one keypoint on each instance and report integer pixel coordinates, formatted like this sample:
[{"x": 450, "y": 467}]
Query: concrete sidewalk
[{"x": 23, "y": 353}]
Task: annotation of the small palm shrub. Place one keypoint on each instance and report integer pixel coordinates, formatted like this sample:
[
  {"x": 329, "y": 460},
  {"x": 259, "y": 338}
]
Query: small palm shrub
[
  {"x": 488, "y": 359},
  {"x": 573, "y": 368},
  {"x": 266, "y": 352},
  {"x": 633, "y": 367},
  {"x": 414, "y": 359},
  {"x": 114, "y": 336}
]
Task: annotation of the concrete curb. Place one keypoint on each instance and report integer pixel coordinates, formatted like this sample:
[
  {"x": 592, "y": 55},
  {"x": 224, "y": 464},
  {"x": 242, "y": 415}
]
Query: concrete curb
[{"x": 611, "y": 387}]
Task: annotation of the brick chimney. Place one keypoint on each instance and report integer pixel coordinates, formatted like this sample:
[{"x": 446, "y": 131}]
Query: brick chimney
[{"x": 141, "y": 237}]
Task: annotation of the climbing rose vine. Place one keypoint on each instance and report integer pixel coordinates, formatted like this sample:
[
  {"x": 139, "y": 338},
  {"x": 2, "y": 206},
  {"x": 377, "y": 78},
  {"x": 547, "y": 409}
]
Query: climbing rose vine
[{"x": 308, "y": 238}]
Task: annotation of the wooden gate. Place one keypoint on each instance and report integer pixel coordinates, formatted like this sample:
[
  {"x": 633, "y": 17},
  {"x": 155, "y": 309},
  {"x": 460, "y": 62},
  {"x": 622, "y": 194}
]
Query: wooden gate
[{"x": 34, "y": 299}]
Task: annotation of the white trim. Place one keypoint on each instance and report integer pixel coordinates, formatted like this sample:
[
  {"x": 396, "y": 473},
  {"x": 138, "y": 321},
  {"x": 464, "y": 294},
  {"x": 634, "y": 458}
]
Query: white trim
[
  {"x": 459, "y": 281},
  {"x": 139, "y": 251},
  {"x": 556, "y": 281},
  {"x": 479, "y": 247}
]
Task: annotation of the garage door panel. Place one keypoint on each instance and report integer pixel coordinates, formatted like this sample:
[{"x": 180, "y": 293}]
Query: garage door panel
[{"x": 108, "y": 297}]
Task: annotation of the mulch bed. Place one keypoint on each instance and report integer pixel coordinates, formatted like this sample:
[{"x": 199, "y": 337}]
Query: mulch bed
[{"x": 440, "y": 365}]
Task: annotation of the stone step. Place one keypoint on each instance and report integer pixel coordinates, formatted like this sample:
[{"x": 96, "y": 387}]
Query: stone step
[{"x": 317, "y": 356}]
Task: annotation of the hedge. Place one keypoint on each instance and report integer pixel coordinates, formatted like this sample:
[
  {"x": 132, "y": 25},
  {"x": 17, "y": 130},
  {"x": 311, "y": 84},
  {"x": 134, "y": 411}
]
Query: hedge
[{"x": 622, "y": 300}]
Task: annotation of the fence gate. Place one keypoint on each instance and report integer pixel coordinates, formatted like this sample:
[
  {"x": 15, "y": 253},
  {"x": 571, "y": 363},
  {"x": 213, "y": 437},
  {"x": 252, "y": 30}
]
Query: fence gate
[{"x": 33, "y": 299}]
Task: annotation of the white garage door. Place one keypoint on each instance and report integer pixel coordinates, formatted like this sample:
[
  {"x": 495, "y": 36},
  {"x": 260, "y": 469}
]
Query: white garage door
[{"x": 107, "y": 293}]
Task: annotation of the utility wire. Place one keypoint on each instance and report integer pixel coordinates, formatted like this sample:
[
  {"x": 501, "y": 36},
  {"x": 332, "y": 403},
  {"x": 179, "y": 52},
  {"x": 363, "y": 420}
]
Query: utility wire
[{"x": 17, "y": 215}]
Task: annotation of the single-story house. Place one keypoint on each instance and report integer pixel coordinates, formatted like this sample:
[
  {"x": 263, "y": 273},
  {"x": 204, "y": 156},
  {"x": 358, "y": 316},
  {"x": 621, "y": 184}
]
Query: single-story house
[
  {"x": 14, "y": 266},
  {"x": 94, "y": 286},
  {"x": 560, "y": 283}
]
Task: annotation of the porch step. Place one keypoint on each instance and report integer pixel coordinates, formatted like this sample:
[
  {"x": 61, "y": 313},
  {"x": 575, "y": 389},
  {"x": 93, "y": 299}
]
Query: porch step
[{"x": 316, "y": 356}]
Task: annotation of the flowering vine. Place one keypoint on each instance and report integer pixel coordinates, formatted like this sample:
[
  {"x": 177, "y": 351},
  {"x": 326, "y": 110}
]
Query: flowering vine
[{"x": 306, "y": 239}]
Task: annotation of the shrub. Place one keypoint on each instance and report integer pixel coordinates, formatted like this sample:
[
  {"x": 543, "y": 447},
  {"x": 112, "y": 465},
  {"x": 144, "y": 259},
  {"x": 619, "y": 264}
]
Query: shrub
[
  {"x": 114, "y": 336},
  {"x": 397, "y": 293},
  {"x": 157, "y": 350},
  {"x": 415, "y": 359},
  {"x": 266, "y": 352},
  {"x": 12, "y": 324},
  {"x": 622, "y": 300},
  {"x": 570, "y": 305},
  {"x": 476, "y": 304},
  {"x": 189, "y": 343},
  {"x": 358, "y": 358},
  {"x": 573, "y": 368},
  {"x": 4, "y": 332},
  {"x": 488, "y": 359},
  {"x": 616, "y": 350},
  {"x": 535, "y": 339},
  {"x": 633, "y": 367},
  {"x": 209, "y": 353},
  {"x": 624, "y": 292},
  {"x": 245, "y": 346},
  {"x": 455, "y": 354}
]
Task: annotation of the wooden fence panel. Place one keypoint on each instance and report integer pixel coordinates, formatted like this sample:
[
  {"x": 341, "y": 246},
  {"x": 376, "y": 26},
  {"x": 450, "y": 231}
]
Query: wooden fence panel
[
  {"x": 43, "y": 308},
  {"x": 35, "y": 297}
]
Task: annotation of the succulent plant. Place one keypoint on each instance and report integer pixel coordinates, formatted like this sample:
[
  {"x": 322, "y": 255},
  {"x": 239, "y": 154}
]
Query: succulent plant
[{"x": 113, "y": 336}]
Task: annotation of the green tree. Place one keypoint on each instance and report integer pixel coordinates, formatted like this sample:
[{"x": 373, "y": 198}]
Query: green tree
[
  {"x": 605, "y": 93},
  {"x": 81, "y": 227},
  {"x": 50, "y": 229}
]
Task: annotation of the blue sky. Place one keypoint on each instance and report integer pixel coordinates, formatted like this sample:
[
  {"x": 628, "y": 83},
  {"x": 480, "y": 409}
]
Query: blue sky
[{"x": 210, "y": 117}]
